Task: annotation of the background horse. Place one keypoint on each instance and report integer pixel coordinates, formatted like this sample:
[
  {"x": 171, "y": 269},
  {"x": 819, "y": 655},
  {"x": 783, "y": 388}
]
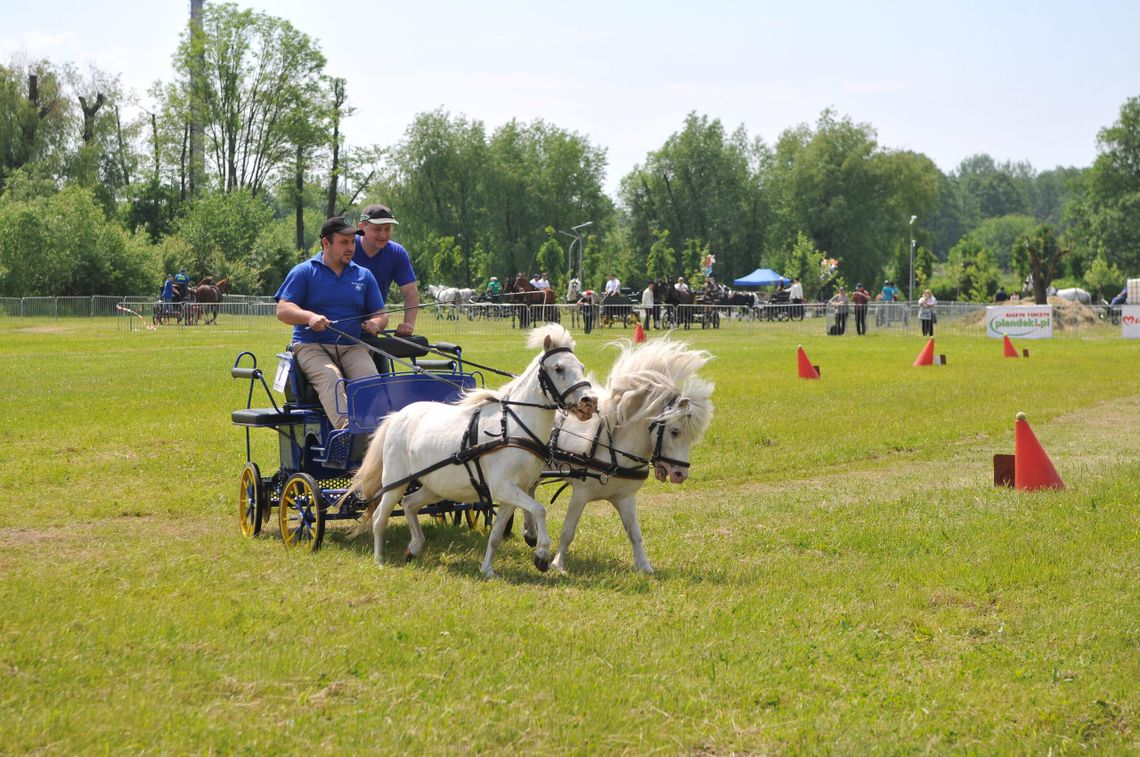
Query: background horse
[
  {"x": 678, "y": 305},
  {"x": 453, "y": 298},
  {"x": 208, "y": 294},
  {"x": 422, "y": 434},
  {"x": 539, "y": 303},
  {"x": 657, "y": 408},
  {"x": 1075, "y": 294}
]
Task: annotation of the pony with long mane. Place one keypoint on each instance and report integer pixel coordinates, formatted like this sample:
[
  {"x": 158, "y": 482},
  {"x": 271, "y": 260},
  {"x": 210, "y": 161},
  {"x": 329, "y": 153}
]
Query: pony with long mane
[
  {"x": 209, "y": 295},
  {"x": 419, "y": 443},
  {"x": 538, "y": 303},
  {"x": 651, "y": 411}
]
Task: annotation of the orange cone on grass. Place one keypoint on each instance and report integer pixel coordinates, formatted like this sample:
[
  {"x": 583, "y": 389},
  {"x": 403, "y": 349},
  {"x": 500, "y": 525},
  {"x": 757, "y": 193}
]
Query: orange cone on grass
[
  {"x": 638, "y": 334},
  {"x": 926, "y": 357},
  {"x": 1032, "y": 468},
  {"x": 807, "y": 370},
  {"x": 1007, "y": 346}
]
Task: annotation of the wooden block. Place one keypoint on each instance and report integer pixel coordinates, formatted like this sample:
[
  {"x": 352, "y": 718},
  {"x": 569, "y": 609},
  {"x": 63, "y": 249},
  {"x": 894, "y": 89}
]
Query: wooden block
[{"x": 1003, "y": 470}]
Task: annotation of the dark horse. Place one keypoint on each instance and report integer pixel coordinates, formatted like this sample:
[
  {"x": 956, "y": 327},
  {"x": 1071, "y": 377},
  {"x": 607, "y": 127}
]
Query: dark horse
[
  {"x": 538, "y": 303},
  {"x": 209, "y": 295},
  {"x": 677, "y": 306}
]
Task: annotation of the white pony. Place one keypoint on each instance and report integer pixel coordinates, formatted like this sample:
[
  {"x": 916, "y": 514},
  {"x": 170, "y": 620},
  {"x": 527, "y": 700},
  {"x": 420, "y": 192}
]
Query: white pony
[
  {"x": 451, "y": 297},
  {"x": 651, "y": 412},
  {"x": 573, "y": 289},
  {"x": 426, "y": 442}
]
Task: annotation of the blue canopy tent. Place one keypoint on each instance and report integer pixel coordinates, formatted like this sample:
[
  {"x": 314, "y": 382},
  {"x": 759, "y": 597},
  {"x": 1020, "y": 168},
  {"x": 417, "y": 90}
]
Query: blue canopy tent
[{"x": 761, "y": 277}]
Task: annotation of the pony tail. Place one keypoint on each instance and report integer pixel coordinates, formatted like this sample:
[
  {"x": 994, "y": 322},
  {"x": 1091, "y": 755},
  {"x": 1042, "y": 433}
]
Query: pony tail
[{"x": 368, "y": 480}]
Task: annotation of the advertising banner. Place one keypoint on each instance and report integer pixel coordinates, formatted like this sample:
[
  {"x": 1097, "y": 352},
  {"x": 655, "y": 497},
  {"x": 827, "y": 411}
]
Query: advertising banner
[
  {"x": 1130, "y": 321},
  {"x": 1021, "y": 321}
]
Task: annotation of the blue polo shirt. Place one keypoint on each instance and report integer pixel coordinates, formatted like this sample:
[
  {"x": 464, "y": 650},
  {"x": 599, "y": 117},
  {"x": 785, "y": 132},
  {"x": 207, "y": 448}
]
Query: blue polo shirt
[
  {"x": 314, "y": 286},
  {"x": 391, "y": 263}
]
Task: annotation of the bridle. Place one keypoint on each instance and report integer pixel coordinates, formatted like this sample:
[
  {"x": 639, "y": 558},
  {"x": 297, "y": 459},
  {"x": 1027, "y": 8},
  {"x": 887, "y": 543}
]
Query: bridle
[{"x": 547, "y": 384}]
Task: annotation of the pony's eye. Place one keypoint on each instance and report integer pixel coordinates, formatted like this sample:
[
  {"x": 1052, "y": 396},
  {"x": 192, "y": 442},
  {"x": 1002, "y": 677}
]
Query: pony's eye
[
  {"x": 674, "y": 432},
  {"x": 559, "y": 369}
]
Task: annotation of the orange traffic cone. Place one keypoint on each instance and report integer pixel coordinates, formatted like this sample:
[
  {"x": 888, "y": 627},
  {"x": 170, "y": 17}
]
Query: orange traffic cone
[
  {"x": 807, "y": 370},
  {"x": 1007, "y": 346},
  {"x": 638, "y": 334},
  {"x": 926, "y": 357},
  {"x": 1032, "y": 468}
]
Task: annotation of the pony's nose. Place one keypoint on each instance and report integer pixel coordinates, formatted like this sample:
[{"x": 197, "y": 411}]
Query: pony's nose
[
  {"x": 679, "y": 475},
  {"x": 588, "y": 405}
]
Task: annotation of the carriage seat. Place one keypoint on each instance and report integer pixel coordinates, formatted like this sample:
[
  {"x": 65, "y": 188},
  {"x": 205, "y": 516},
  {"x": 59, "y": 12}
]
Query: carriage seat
[{"x": 268, "y": 417}]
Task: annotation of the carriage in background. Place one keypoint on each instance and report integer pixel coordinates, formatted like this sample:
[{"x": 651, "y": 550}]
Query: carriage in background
[
  {"x": 619, "y": 308},
  {"x": 316, "y": 460}
]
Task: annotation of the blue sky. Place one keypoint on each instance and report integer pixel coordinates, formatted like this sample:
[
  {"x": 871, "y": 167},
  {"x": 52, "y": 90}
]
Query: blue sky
[{"x": 1028, "y": 81}]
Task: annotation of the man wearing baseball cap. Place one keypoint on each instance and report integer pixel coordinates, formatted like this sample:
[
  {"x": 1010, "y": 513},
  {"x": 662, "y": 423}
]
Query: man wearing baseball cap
[
  {"x": 323, "y": 296},
  {"x": 388, "y": 261}
]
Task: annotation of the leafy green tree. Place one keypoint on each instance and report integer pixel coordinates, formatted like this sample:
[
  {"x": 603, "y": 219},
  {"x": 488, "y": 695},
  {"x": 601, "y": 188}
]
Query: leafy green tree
[
  {"x": 95, "y": 256},
  {"x": 253, "y": 79},
  {"x": 221, "y": 230},
  {"x": 1107, "y": 215},
  {"x": 1103, "y": 279},
  {"x": 662, "y": 259},
  {"x": 701, "y": 185},
  {"x": 803, "y": 262},
  {"x": 851, "y": 198},
  {"x": 1041, "y": 254},
  {"x": 35, "y": 118},
  {"x": 551, "y": 258},
  {"x": 446, "y": 261},
  {"x": 1002, "y": 234}
]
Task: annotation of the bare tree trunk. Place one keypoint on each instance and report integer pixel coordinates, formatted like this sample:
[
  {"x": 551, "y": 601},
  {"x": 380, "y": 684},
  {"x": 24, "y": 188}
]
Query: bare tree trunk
[
  {"x": 122, "y": 156},
  {"x": 89, "y": 113},
  {"x": 299, "y": 198},
  {"x": 334, "y": 173}
]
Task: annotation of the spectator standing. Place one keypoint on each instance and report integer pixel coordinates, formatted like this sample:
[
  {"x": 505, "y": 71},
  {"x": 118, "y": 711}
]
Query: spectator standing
[
  {"x": 1001, "y": 295},
  {"x": 926, "y": 314},
  {"x": 860, "y": 297},
  {"x": 647, "y": 302},
  {"x": 839, "y": 302},
  {"x": 796, "y": 295},
  {"x": 388, "y": 261}
]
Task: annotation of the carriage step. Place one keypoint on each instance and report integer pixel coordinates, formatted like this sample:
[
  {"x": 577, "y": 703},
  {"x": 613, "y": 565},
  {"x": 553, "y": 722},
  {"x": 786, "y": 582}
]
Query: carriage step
[{"x": 337, "y": 450}]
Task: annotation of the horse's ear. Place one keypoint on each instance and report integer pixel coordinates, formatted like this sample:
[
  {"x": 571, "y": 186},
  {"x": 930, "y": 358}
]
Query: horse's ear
[{"x": 546, "y": 343}]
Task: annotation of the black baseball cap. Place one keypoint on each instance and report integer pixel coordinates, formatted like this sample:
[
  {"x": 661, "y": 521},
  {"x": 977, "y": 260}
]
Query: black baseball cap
[
  {"x": 377, "y": 214},
  {"x": 337, "y": 225}
]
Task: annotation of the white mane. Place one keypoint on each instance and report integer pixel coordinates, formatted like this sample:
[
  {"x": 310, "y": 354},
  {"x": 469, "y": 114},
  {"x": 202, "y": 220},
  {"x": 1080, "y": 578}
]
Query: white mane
[
  {"x": 536, "y": 339},
  {"x": 669, "y": 370}
]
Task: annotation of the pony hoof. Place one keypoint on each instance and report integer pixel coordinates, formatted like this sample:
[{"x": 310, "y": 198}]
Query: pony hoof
[
  {"x": 530, "y": 539},
  {"x": 408, "y": 556},
  {"x": 541, "y": 563}
]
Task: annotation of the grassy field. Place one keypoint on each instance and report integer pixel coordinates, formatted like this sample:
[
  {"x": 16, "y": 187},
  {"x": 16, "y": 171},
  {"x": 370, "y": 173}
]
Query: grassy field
[{"x": 838, "y": 575}]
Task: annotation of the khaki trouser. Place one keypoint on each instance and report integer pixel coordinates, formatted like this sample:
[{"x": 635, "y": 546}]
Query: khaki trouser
[{"x": 324, "y": 373}]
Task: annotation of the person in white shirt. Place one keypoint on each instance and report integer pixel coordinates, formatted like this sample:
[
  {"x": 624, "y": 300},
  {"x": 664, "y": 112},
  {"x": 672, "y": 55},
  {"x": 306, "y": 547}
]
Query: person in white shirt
[
  {"x": 541, "y": 282},
  {"x": 796, "y": 295},
  {"x": 647, "y": 303},
  {"x": 613, "y": 285},
  {"x": 681, "y": 286}
]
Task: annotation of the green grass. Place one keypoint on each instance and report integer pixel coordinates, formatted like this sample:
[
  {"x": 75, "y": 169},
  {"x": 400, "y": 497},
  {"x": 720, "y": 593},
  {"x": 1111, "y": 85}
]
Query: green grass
[{"x": 838, "y": 575}]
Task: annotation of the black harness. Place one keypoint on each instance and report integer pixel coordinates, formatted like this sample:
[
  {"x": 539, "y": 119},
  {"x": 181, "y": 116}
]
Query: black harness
[
  {"x": 572, "y": 465},
  {"x": 471, "y": 449}
]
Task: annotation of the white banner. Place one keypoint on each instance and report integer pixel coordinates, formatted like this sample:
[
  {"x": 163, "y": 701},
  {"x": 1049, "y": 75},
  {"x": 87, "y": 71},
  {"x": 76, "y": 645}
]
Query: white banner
[
  {"x": 1130, "y": 321},
  {"x": 1022, "y": 321}
]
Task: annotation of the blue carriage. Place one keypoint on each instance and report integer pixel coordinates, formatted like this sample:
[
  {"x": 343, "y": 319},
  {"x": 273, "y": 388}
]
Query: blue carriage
[{"x": 317, "y": 461}]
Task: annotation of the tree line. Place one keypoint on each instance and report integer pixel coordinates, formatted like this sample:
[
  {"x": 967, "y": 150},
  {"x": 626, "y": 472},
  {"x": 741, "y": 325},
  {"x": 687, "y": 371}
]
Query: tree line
[{"x": 230, "y": 168}]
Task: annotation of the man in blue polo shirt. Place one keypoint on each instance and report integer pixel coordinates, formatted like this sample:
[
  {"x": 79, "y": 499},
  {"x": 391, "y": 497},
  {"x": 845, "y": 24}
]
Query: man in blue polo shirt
[
  {"x": 329, "y": 290},
  {"x": 388, "y": 262}
]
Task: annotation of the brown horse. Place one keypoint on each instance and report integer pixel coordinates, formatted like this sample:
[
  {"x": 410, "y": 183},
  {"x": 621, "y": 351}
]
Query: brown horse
[
  {"x": 539, "y": 302},
  {"x": 208, "y": 295}
]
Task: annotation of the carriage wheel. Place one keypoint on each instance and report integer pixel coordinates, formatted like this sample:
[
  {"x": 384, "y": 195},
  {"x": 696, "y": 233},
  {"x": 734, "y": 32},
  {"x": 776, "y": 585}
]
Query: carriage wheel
[
  {"x": 251, "y": 500},
  {"x": 481, "y": 519},
  {"x": 302, "y": 513}
]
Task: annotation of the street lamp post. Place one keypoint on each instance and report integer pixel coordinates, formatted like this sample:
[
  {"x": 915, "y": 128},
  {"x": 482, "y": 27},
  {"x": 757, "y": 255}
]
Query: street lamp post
[
  {"x": 574, "y": 262},
  {"x": 910, "y": 290}
]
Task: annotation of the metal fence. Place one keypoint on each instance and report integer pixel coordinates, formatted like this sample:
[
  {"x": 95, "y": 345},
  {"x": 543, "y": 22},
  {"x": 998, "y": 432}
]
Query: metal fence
[{"x": 244, "y": 313}]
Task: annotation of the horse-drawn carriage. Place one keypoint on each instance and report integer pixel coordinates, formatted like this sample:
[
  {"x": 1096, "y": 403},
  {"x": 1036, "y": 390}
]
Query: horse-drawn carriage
[
  {"x": 618, "y": 308},
  {"x": 316, "y": 460}
]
